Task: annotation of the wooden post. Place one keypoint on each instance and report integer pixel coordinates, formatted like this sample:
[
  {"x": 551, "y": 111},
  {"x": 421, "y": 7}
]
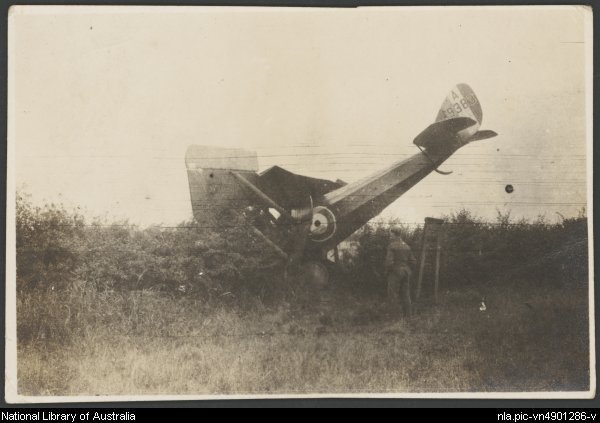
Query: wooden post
[
  {"x": 438, "y": 250},
  {"x": 431, "y": 228},
  {"x": 422, "y": 264}
]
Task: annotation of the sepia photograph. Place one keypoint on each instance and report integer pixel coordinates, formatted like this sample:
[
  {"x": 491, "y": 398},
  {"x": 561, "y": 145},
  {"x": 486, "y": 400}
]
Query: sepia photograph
[{"x": 286, "y": 202}]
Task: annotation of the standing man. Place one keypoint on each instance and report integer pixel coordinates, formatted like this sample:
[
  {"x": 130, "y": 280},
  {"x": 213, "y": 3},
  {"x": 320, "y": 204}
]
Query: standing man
[{"x": 398, "y": 260}]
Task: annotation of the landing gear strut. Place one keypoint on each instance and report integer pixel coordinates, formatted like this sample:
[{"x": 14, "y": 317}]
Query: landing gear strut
[
  {"x": 311, "y": 272},
  {"x": 316, "y": 273}
]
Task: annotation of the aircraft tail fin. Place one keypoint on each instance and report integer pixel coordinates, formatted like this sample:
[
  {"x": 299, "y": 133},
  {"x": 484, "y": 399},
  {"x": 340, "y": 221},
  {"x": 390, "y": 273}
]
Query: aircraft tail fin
[
  {"x": 213, "y": 189},
  {"x": 457, "y": 122}
]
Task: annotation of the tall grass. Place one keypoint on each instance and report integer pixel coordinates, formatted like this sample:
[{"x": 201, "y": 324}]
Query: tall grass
[
  {"x": 106, "y": 307},
  {"x": 526, "y": 340}
]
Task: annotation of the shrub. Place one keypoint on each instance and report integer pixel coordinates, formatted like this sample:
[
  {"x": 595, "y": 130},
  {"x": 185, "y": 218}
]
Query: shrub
[
  {"x": 476, "y": 251},
  {"x": 72, "y": 274},
  {"x": 69, "y": 271},
  {"x": 48, "y": 242}
]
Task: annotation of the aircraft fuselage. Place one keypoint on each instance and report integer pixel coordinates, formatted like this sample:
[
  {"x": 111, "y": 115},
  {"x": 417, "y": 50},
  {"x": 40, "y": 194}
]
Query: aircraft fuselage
[{"x": 343, "y": 211}]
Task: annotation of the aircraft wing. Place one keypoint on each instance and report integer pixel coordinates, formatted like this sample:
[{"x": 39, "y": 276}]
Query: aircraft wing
[
  {"x": 290, "y": 189},
  {"x": 213, "y": 188}
]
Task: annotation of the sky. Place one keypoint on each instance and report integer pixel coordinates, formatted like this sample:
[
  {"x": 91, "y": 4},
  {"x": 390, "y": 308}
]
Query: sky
[{"x": 104, "y": 101}]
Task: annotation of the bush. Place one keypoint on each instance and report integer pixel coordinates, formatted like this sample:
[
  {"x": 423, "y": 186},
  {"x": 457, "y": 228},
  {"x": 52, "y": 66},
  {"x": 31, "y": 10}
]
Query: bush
[
  {"x": 475, "y": 251},
  {"x": 478, "y": 251},
  {"x": 69, "y": 271},
  {"x": 47, "y": 244},
  {"x": 72, "y": 274}
]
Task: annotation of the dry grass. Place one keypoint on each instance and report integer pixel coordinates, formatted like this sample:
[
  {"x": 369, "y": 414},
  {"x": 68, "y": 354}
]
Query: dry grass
[{"x": 528, "y": 339}]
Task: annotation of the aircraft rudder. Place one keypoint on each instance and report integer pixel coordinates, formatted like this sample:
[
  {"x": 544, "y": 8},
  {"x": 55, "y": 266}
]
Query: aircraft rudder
[
  {"x": 457, "y": 122},
  {"x": 461, "y": 101}
]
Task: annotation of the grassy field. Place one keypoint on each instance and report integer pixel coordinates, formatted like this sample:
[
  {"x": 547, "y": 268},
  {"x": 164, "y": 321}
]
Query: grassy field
[{"x": 530, "y": 338}]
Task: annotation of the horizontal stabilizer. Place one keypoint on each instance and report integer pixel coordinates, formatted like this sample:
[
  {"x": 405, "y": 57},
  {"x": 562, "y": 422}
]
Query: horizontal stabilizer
[
  {"x": 482, "y": 135},
  {"x": 443, "y": 134}
]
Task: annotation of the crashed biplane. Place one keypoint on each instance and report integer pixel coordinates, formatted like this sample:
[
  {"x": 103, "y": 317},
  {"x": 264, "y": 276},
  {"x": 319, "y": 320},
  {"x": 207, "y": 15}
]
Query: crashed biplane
[{"x": 303, "y": 218}]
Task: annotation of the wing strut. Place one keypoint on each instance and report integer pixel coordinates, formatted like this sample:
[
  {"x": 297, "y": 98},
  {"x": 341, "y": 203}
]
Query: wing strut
[
  {"x": 264, "y": 197},
  {"x": 265, "y": 238},
  {"x": 301, "y": 219}
]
